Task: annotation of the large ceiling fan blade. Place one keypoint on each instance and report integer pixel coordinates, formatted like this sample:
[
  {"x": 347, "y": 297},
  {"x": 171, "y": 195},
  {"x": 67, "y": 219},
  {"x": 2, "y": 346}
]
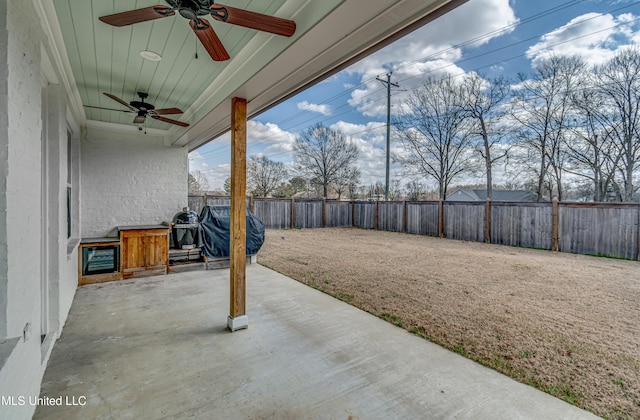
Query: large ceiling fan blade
[
  {"x": 138, "y": 15},
  {"x": 209, "y": 39},
  {"x": 120, "y": 101},
  {"x": 253, "y": 20},
  {"x": 169, "y": 120},
  {"x": 107, "y": 109},
  {"x": 139, "y": 119},
  {"x": 166, "y": 111}
]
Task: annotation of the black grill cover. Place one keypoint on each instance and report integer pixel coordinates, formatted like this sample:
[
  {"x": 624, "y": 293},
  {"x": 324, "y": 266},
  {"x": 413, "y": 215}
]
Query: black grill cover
[{"x": 215, "y": 222}]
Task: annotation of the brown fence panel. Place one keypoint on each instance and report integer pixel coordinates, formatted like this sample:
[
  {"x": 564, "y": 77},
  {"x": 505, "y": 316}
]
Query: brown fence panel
[
  {"x": 197, "y": 202},
  {"x": 599, "y": 229},
  {"x": 521, "y": 224},
  {"x": 218, "y": 201},
  {"x": 464, "y": 220},
  {"x": 364, "y": 214},
  {"x": 275, "y": 214},
  {"x": 391, "y": 216},
  {"x": 422, "y": 218},
  {"x": 338, "y": 214},
  {"x": 605, "y": 229},
  {"x": 308, "y": 214}
]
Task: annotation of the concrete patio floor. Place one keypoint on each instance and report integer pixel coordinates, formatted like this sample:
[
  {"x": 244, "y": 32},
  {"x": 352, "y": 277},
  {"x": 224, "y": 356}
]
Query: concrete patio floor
[{"x": 158, "y": 348}]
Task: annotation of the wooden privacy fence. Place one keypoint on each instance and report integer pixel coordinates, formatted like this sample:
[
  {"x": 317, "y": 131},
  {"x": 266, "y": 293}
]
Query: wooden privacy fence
[{"x": 603, "y": 229}]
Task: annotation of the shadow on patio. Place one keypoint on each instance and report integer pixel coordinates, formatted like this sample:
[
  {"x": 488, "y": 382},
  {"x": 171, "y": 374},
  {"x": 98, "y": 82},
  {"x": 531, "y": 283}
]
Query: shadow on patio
[{"x": 158, "y": 347}]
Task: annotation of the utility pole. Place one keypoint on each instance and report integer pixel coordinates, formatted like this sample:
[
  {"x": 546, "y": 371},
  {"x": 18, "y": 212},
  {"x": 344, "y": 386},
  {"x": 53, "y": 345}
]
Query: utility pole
[{"x": 388, "y": 84}]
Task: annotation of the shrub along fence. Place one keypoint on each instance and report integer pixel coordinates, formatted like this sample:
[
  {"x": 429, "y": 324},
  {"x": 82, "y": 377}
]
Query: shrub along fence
[{"x": 604, "y": 229}]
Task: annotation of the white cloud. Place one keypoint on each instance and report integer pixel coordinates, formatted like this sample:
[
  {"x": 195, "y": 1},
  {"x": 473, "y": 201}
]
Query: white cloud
[
  {"x": 194, "y": 156},
  {"x": 217, "y": 175},
  {"x": 278, "y": 149},
  {"x": 322, "y": 109},
  {"x": 372, "y": 132},
  {"x": 268, "y": 133},
  {"x": 370, "y": 139},
  {"x": 593, "y": 36},
  {"x": 429, "y": 51}
]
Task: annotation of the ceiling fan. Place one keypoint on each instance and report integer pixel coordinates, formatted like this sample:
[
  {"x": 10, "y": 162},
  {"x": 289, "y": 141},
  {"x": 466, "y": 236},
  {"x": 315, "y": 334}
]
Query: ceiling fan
[
  {"x": 143, "y": 109},
  {"x": 194, "y": 10}
]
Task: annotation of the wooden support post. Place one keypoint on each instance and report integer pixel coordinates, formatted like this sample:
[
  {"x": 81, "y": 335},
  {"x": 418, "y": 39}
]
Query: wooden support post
[
  {"x": 487, "y": 226},
  {"x": 555, "y": 219},
  {"x": 238, "y": 221},
  {"x": 293, "y": 213},
  {"x": 441, "y": 218}
]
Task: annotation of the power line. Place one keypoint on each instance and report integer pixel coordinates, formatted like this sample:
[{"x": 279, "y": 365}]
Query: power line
[
  {"x": 518, "y": 43},
  {"x": 527, "y": 20}
]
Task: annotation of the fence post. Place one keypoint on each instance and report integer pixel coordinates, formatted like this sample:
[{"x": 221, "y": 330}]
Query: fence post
[
  {"x": 638, "y": 232},
  {"x": 441, "y": 218},
  {"x": 375, "y": 216},
  {"x": 293, "y": 213},
  {"x": 487, "y": 226},
  {"x": 205, "y": 200},
  {"x": 404, "y": 216},
  {"x": 324, "y": 212},
  {"x": 353, "y": 213},
  {"x": 555, "y": 242}
]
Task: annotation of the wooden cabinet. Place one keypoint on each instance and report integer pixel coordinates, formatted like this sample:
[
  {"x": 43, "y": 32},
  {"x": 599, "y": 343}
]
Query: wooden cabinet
[{"x": 144, "y": 250}]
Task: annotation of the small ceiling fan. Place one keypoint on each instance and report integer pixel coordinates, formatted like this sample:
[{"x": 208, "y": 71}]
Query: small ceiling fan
[
  {"x": 143, "y": 109},
  {"x": 194, "y": 10}
]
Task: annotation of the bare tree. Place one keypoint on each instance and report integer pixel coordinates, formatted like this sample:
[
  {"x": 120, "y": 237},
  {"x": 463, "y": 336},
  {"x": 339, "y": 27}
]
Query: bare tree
[
  {"x": 395, "y": 190},
  {"x": 324, "y": 155},
  {"x": 198, "y": 182},
  {"x": 347, "y": 182},
  {"x": 264, "y": 175},
  {"x": 481, "y": 102},
  {"x": 433, "y": 133},
  {"x": 592, "y": 150},
  {"x": 415, "y": 190},
  {"x": 375, "y": 191},
  {"x": 542, "y": 107},
  {"x": 619, "y": 82}
]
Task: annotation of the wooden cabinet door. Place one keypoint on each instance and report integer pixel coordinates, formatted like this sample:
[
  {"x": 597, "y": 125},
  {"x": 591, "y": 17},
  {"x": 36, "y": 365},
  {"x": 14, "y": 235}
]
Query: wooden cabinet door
[{"x": 144, "y": 252}]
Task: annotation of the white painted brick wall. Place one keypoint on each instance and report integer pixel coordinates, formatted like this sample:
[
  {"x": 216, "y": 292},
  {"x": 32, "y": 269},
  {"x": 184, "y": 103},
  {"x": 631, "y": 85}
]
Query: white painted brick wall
[
  {"x": 22, "y": 373},
  {"x": 129, "y": 179},
  {"x": 23, "y": 178},
  {"x": 4, "y": 162}
]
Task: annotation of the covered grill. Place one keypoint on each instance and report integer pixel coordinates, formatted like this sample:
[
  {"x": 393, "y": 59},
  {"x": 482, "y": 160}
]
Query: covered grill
[
  {"x": 186, "y": 229},
  {"x": 215, "y": 224}
]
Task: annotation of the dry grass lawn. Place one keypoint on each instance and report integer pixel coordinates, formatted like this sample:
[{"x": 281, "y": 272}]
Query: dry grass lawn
[{"x": 566, "y": 324}]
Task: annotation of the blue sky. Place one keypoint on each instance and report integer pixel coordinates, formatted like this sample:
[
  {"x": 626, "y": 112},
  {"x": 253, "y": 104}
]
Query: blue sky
[{"x": 491, "y": 37}]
